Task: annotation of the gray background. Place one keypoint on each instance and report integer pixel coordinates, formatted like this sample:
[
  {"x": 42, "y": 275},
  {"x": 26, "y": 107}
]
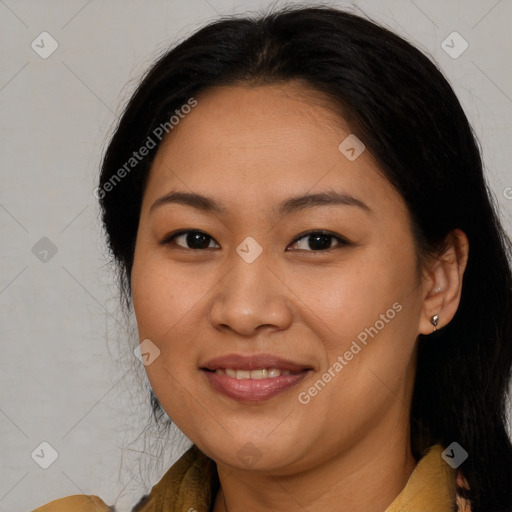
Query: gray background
[{"x": 68, "y": 375}]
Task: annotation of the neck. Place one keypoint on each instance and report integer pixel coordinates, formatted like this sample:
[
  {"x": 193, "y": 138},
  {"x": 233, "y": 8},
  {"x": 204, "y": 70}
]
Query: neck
[{"x": 367, "y": 477}]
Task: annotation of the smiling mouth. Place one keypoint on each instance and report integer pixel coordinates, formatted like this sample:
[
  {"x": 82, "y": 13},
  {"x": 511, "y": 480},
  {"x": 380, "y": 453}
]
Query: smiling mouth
[
  {"x": 257, "y": 374},
  {"x": 253, "y": 378}
]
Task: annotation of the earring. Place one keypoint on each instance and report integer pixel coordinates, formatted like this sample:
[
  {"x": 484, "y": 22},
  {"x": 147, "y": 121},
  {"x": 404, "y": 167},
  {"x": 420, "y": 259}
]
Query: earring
[{"x": 434, "y": 321}]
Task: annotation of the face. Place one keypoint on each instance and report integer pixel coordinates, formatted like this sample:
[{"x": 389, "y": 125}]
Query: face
[{"x": 284, "y": 329}]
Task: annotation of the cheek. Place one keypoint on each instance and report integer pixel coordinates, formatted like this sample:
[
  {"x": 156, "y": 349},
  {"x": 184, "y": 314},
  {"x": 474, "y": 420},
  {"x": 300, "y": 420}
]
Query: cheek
[
  {"x": 367, "y": 317},
  {"x": 161, "y": 301},
  {"x": 165, "y": 300},
  {"x": 162, "y": 296},
  {"x": 345, "y": 301},
  {"x": 366, "y": 314}
]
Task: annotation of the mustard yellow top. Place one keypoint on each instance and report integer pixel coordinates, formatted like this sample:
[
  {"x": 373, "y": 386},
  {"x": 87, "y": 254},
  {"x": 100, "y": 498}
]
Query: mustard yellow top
[{"x": 192, "y": 483}]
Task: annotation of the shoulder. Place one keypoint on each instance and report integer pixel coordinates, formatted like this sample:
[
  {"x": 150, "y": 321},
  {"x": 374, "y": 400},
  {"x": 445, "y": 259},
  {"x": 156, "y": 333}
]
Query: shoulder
[{"x": 76, "y": 503}]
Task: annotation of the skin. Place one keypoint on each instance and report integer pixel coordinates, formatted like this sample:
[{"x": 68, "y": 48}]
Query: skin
[{"x": 251, "y": 148}]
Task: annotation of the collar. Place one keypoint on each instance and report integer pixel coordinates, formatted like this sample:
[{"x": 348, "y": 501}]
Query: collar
[
  {"x": 431, "y": 486},
  {"x": 191, "y": 484}
]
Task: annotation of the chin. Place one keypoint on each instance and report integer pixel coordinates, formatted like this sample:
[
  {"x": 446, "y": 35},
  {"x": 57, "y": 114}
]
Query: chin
[{"x": 259, "y": 453}]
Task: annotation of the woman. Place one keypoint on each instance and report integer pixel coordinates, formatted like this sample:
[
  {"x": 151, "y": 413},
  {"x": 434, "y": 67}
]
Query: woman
[{"x": 321, "y": 282}]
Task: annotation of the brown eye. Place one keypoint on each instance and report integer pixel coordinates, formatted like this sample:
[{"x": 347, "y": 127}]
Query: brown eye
[
  {"x": 319, "y": 241},
  {"x": 314, "y": 241},
  {"x": 189, "y": 240}
]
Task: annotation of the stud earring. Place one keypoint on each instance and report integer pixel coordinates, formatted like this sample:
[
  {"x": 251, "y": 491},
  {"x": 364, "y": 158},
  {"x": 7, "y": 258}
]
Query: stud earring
[{"x": 434, "y": 321}]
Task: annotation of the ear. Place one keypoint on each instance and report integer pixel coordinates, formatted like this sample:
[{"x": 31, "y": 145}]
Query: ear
[{"x": 443, "y": 283}]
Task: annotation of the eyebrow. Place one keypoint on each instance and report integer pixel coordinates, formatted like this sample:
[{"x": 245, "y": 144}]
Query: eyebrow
[{"x": 288, "y": 206}]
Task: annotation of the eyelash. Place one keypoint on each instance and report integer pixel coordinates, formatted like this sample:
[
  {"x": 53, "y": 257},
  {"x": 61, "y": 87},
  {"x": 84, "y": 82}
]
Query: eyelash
[{"x": 342, "y": 242}]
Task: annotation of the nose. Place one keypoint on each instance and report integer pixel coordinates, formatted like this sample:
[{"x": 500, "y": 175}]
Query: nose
[{"x": 250, "y": 298}]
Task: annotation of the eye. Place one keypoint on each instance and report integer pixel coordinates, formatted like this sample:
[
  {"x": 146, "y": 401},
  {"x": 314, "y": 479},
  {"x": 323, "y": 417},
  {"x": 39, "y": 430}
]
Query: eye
[
  {"x": 319, "y": 241},
  {"x": 197, "y": 240},
  {"x": 192, "y": 239}
]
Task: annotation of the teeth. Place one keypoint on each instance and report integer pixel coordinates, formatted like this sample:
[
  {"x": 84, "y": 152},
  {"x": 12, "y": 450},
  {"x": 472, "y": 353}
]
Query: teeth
[
  {"x": 259, "y": 374},
  {"x": 263, "y": 373}
]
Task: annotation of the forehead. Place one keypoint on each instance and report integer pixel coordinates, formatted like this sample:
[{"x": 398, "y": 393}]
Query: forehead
[
  {"x": 248, "y": 144},
  {"x": 267, "y": 117}
]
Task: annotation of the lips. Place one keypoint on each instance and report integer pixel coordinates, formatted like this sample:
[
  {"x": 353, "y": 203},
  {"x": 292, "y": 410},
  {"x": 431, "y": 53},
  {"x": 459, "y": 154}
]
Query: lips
[
  {"x": 253, "y": 362},
  {"x": 253, "y": 378}
]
